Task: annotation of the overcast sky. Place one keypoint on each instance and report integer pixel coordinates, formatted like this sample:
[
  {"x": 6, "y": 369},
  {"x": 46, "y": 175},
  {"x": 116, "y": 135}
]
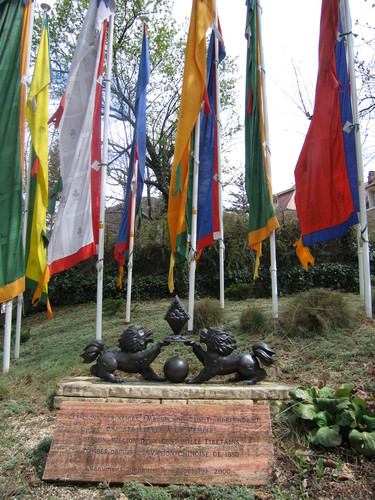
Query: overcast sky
[{"x": 291, "y": 35}]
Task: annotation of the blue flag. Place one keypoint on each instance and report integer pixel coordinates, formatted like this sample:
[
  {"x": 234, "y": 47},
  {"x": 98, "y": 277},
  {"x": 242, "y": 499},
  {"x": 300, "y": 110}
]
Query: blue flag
[
  {"x": 137, "y": 156},
  {"x": 347, "y": 117},
  {"x": 208, "y": 224}
]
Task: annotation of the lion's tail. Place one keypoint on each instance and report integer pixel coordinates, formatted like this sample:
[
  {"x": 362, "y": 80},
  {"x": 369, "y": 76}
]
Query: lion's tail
[
  {"x": 264, "y": 353},
  {"x": 92, "y": 351}
]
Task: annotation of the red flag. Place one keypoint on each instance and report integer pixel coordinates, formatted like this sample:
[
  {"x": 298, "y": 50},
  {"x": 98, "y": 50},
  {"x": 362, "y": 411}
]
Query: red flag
[{"x": 324, "y": 198}]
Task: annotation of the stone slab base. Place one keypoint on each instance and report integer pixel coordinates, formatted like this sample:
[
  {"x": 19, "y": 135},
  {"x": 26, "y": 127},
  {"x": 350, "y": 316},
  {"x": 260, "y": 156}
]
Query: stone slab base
[{"x": 91, "y": 389}]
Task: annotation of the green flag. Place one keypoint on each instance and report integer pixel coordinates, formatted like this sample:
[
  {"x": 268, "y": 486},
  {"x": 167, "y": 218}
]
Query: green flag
[
  {"x": 12, "y": 265},
  {"x": 262, "y": 220}
]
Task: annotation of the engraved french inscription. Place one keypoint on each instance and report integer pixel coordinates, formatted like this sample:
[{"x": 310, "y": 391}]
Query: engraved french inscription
[{"x": 161, "y": 444}]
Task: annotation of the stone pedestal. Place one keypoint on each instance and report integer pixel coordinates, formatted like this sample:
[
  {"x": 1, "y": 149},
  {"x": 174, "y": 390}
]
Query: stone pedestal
[{"x": 90, "y": 389}]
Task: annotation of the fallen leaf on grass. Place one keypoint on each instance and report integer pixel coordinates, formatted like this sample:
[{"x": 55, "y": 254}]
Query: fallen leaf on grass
[
  {"x": 346, "y": 473},
  {"x": 328, "y": 462},
  {"x": 370, "y": 368},
  {"x": 299, "y": 449}
]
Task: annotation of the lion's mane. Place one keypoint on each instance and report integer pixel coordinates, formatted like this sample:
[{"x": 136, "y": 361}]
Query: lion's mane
[
  {"x": 219, "y": 340},
  {"x": 135, "y": 339}
]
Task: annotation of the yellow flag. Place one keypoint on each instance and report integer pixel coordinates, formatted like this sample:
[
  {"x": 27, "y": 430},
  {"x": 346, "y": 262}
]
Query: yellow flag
[
  {"x": 24, "y": 50},
  {"x": 193, "y": 88},
  {"x": 37, "y": 119}
]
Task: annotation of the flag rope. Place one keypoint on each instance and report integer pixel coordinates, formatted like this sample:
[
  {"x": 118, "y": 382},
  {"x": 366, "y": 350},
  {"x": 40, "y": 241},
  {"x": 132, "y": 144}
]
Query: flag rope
[{"x": 364, "y": 231}]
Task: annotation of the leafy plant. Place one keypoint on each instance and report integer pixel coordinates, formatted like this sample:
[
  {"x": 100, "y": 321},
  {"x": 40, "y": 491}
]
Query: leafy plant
[{"x": 329, "y": 416}]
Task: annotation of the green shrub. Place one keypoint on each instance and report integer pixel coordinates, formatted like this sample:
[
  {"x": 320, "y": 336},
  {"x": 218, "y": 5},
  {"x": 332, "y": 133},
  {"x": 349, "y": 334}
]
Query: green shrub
[
  {"x": 237, "y": 277},
  {"x": 74, "y": 286},
  {"x": 206, "y": 313},
  {"x": 25, "y": 335},
  {"x": 316, "y": 311},
  {"x": 237, "y": 253},
  {"x": 242, "y": 291},
  {"x": 253, "y": 321},
  {"x": 336, "y": 267},
  {"x": 149, "y": 287},
  {"x": 207, "y": 283},
  {"x": 111, "y": 306}
]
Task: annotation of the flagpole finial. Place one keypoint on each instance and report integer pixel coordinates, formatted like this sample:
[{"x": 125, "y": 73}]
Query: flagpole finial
[
  {"x": 145, "y": 19},
  {"x": 45, "y": 6}
]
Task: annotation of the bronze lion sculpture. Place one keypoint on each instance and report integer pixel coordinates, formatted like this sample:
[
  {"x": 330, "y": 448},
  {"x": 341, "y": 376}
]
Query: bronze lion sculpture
[
  {"x": 134, "y": 356},
  {"x": 219, "y": 360}
]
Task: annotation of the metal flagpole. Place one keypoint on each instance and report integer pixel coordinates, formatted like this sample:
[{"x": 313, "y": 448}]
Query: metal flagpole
[
  {"x": 131, "y": 241},
  {"x": 364, "y": 250},
  {"x": 100, "y": 265},
  {"x": 7, "y": 335},
  {"x": 219, "y": 170},
  {"x": 20, "y": 296},
  {"x": 193, "y": 237},
  {"x": 360, "y": 258},
  {"x": 273, "y": 268}
]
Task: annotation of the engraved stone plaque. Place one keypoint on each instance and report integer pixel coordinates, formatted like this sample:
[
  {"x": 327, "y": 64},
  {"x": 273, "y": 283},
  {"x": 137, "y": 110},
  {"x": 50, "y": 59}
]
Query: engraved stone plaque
[{"x": 161, "y": 444}]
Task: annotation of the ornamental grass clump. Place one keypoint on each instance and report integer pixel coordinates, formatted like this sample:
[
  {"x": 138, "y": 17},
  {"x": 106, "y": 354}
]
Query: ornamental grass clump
[
  {"x": 315, "y": 311},
  {"x": 329, "y": 417},
  {"x": 253, "y": 321},
  {"x": 207, "y": 313}
]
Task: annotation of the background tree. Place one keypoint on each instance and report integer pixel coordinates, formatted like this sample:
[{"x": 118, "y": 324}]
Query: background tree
[
  {"x": 364, "y": 61},
  {"x": 238, "y": 196},
  {"x": 167, "y": 43},
  {"x": 365, "y": 64}
]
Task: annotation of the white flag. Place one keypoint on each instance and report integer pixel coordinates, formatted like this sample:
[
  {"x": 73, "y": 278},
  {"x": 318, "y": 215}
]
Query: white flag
[{"x": 72, "y": 239}]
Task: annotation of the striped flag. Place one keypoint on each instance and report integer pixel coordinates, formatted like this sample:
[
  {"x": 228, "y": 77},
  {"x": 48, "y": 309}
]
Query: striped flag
[
  {"x": 208, "y": 223},
  {"x": 37, "y": 118},
  {"x": 137, "y": 157},
  {"x": 327, "y": 199},
  {"x": 262, "y": 219},
  {"x": 192, "y": 96},
  {"x": 75, "y": 233},
  {"x": 14, "y": 22}
]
